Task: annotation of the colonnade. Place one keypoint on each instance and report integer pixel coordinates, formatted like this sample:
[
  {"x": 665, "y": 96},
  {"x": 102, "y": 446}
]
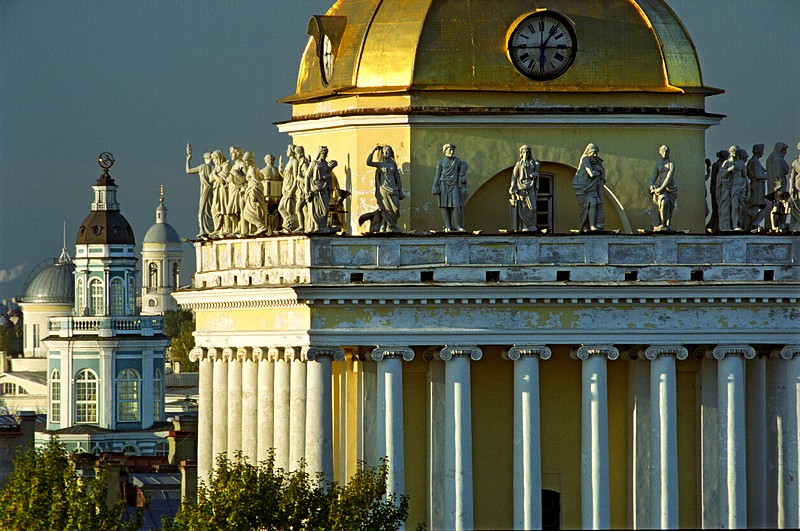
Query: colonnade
[{"x": 748, "y": 477}]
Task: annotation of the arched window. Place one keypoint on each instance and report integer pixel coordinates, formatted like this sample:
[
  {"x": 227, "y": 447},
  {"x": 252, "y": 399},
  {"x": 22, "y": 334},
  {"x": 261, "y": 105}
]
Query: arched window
[
  {"x": 158, "y": 401},
  {"x": 80, "y": 297},
  {"x": 176, "y": 274},
  {"x": 162, "y": 449},
  {"x": 96, "y": 292},
  {"x": 130, "y": 450},
  {"x": 128, "y": 396},
  {"x": 116, "y": 296},
  {"x": 152, "y": 275},
  {"x": 55, "y": 396},
  {"x": 86, "y": 397},
  {"x": 131, "y": 295}
]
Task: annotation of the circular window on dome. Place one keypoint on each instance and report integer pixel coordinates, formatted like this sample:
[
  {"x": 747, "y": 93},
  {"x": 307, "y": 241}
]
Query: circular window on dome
[
  {"x": 152, "y": 303},
  {"x": 542, "y": 45}
]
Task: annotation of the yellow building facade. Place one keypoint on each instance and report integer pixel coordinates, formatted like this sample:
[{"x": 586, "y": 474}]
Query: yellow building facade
[{"x": 614, "y": 379}]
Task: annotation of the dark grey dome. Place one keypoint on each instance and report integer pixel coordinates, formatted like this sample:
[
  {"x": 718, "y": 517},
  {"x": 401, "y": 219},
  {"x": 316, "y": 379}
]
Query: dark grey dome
[{"x": 52, "y": 281}]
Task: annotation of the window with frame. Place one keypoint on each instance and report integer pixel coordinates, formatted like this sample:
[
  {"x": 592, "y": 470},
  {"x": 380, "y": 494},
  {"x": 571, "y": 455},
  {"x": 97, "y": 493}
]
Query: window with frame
[
  {"x": 158, "y": 394},
  {"x": 36, "y": 336},
  {"x": 8, "y": 388},
  {"x": 80, "y": 298},
  {"x": 162, "y": 449},
  {"x": 116, "y": 296},
  {"x": 96, "y": 292},
  {"x": 128, "y": 396},
  {"x": 152, "y": 275},
  {"x": 544, "y": 202},
  {"x": 55, "y": 396},
  {"x": 131, "y": 295},
  {"x": 176, "y": 274},
  {"x": 86, "y": 397}
]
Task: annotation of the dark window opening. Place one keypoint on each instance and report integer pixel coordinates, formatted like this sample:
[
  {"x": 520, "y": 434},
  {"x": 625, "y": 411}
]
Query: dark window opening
[
  {"x": 551, "y": 509},
  {"x": 697, "y": 274},
  {"x": 493, "y": 276},
  {"x": 356, "y": 277},
  {"x": 426, "y": 276},
  {"x": 562, "y": 276}
]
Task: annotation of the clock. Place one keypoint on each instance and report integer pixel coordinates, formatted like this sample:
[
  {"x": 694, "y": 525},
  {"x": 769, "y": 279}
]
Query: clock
[
  {"x": 326, "y": 59},
  {"x": 542, "y": 45}
]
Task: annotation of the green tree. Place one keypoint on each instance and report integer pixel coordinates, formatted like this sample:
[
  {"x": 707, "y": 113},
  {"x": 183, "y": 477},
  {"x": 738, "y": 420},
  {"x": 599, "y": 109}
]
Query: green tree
[
  {"x": 243, "y": 496},
  {"x": 45, "y": 492},
  {"x": 179, "y": 326}
]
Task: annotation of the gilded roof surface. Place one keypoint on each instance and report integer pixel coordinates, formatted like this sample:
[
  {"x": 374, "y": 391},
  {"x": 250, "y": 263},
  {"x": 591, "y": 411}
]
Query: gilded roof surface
[{"x": 399, "y": 45}]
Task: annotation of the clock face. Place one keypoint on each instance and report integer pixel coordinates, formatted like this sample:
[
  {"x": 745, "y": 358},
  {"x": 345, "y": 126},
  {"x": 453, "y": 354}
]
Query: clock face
[
  {"x": 543, "y": 45},
  {"x": 326, "y": 59}
]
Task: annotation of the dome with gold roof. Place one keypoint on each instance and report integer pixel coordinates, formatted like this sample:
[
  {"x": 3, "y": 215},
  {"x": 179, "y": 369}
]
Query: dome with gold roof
[{"x": 392, "y": 46}]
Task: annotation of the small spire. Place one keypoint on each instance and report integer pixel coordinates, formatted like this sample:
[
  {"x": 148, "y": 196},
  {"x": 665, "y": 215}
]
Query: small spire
[
  {"x": 161, "y": 198},
  {"x": 161, "y": 209}
]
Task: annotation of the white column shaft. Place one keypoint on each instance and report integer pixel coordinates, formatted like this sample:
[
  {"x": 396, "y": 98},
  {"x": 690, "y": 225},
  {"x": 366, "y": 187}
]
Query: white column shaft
[
  {"x": 527, "y": 445},
  {"x": 390, "y": 421},
  {"x": 776, "y": 413},
  {"x": 458, "y": 445},
  {"x": 220, "y": 408},
  {"x": 250, "y": 410},
  {"x": 266, "y": 389},
  {"x": 790, "y": 440},
  {"x": 756, "y": 404},
  {"x": 319, "y": 418},
  {"x": 663, "y": 444},
  {"x": 710, "y": 490},
  {"x": 234, "y": 407},
  {"x": 595, "y": 501},
  {"x": 297, "y": 420},
  {"x": 639, "y": 441},
  {"x": 437, "y": 439},
  {"x": 282, "y": 414},
  {"x": 732, "y": 468},
  {"x": 205, "y": 422}
]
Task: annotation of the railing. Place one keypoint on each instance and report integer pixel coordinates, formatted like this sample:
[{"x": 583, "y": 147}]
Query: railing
[{"x": 105, "y": 326}]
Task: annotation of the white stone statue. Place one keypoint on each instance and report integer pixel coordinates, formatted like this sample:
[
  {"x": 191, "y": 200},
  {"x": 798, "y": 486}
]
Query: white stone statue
[
  {"x": 778, "y": 186},
  {"x": 450, "y": 185},
  {"x": 254, "y": 210},
  {"x": 319, "y": 184},
  {"x": 757, "y": 202},
  {"x": 732, "y": 189},
  {"x": 589, "y": 184},
  {"x": 237, "y": 182},
  {"x": 288, "y": 202},
  {"x": 523, "y": 191},
  {"x": 219, "y": 205},
  {"x": 722, "y": 156},
  {"x": 388, "y": 187},
  {"x": 664, "y": 191},
  {"x": 205, "y": 219},
  {"x": 794, "y": 193},
  {"x": 301, "y": 190},
  {"x": 272, "y": 191}
]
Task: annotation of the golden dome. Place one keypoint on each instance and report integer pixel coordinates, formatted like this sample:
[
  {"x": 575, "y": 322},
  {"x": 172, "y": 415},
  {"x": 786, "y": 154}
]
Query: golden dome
[{"x": 390, "y": 46}]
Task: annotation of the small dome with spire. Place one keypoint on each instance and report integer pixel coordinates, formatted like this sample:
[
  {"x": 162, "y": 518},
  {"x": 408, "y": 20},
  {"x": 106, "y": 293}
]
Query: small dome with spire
[
  {"x": 51, "y": 281},
  {"x": 161, "y": 232}
]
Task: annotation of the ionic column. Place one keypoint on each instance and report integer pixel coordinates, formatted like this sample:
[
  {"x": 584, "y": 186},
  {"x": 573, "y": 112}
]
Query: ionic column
[
  {"x": 458, "y": 436},
  {"x": 732, "y": 433},
  {"x": 756, "y": 444},
  {"x": 266, "y": 389},
  {"x": 205, "y": 415},
  {"x": 595, "y": 486},
  {"x": 220, "y": 401},
  {"x": 234, "y": 402},
  {"x": 639, "y": 440},
  {"x": 319, "y": 410},
  {"x": 709, "y": 443},
  {"x": 527, "y": 436},
  {"x": 664, "y": 435},
  {"x": 390, "y": 413},
  {"x": 249, "y": 404},
  {"x": 791, "y": 452},
  {"x": 297, "y": 408},
  {"x": 776, "y": 413},
  {"x": 282, "y": 408}
]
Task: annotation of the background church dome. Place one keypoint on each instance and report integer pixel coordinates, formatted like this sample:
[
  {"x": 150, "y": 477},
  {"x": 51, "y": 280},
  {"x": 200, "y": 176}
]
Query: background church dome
[
  {"x": 105, "y": 227},
  {"x": 395, "y": 46},
  {"x": 161, "y": 232},
  {"x": 51, "y": 281}
]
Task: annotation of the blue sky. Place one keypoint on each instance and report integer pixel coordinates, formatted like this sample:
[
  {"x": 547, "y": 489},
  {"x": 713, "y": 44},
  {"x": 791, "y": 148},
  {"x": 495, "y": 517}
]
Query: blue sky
[{"x": 142, "y": 78}]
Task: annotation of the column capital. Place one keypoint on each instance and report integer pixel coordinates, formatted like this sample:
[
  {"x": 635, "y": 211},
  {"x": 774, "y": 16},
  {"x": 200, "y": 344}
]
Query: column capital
[
  {"x": 734, "y": 350},
  {"x": 228, "y": 354},
  {"x": 260, "y": 354},
  {"x": 609, "y": 351},
  {"x": 291, "y": 354},
  {"x": 448, "y": 353},
  {"x": 313, "y": 353},
  {"x": 197, "y": 354},
  {"x": 405, "y": 353},
  {"x": 214, "y": 354},
  {"x": 790, "y": 351},
  {"x": 654, "y": 351},
  {"x": 243, "y": 353},
  {"x": 542, "y": 351}
]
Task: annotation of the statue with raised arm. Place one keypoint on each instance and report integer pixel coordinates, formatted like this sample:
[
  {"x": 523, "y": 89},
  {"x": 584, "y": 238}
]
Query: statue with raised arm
[
  {"x": 205, "y": 219},
  {"x": 254, "y": 210},
  {"x": 664, "y": 191},
  {"x": 732, "y": 189},
  {"x": 794, "y": 193},
  {"x": 523, "y": 191},
  {"x": 319, "y": 184},
  {"x": 778, "y": 186},
  {"x": 589, "y": 183},
  {"x": 219, "y": 204},
  {"x": 450, "y": 186},
  {"x": 388, "y": 187},
  {"x": 757, "y": 202}
]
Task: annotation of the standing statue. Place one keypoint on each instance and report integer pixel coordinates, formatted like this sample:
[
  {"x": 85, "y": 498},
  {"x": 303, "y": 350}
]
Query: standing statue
[
  {"x": 664, "y": 191},
  {"x": 219, "y": 205},
  {"x": 254, "y": 209},
  {"x": 205, "y": 218},
  {"x": 732, "y": 189},
  {"x": 722, "y": 156},
  {"x": 523, "y": 191},
  {"x": 288, "y": 202},
  {"x": 301, "y": 190},
  {"x": 757, "y": 202},
  {"x": 794, "y": 193},
  {"x": 450, "y": 185},
  {"x": 272, "y": 191},
  {"x": 388, "y": 187},
  {"x": 589, "y": 184},
  {"x": 237, "y": 182},
  {"x": 319, "y": 184},
  {"x": 778, "y": 186}
]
